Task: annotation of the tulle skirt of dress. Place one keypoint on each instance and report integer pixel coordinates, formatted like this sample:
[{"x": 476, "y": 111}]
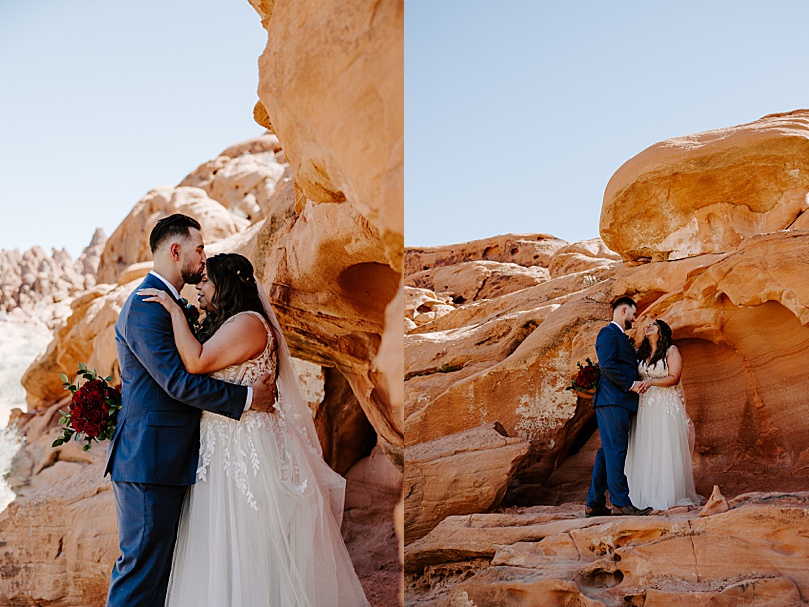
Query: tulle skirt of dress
[
  {"x": 658, "y": 458},
  {"x": 258, "y": 527}
]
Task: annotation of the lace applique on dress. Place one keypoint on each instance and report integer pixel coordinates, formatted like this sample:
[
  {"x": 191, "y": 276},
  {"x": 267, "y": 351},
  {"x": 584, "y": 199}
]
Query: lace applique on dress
[
  {"x": 660, "y": 397},
  {"x": 235, "y": 438}
]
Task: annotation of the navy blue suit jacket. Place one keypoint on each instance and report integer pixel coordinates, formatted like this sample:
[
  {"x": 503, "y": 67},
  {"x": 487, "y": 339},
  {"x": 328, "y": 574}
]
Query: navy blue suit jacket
[
  {"x": 156, "y": 438},
  {"x": 619, "y": 369}
]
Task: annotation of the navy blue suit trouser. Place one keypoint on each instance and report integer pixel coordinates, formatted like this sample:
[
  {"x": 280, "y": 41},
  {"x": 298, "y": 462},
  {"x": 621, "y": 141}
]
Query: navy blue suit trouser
[
  {"x": 608, "y": 470},
  {"x": 148, "y": 516}
]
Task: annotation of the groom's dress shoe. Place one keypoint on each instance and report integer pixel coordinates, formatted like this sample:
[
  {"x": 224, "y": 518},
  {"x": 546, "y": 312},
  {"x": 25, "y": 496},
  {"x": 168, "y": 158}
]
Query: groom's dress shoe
[
  {"x": 630, "y": 510},
  {"x": 590, "y": 511}
]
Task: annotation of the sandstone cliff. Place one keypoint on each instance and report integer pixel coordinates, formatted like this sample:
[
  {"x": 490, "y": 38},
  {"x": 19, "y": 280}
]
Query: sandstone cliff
[
  {"x": 336, "y": 102},
  {"x": 711, "y": 246}
]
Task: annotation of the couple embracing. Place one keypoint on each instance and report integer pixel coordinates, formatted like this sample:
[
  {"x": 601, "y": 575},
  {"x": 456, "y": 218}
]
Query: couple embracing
[
  {"x": 221, "y": 493},
  {"x": 645, "y": 454}
]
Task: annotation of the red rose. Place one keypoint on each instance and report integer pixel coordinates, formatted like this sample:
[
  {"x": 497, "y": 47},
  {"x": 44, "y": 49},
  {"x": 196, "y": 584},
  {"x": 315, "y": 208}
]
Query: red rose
[{"x": 92, "y": 410}]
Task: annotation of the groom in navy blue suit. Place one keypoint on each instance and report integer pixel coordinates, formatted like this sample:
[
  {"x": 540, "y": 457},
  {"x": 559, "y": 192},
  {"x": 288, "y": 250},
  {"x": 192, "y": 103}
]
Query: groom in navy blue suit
[
  {"x": 615, "y": 401},
  {"x": 152, "y": 458}
]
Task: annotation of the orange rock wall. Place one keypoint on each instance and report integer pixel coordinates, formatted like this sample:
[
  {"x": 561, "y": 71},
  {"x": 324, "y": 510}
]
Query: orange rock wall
[{"x": 336, "y": 103}]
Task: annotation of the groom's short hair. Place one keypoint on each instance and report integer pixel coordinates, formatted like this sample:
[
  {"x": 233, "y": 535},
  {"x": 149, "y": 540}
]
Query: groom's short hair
[
  {"x": 623, "y": 301},
  {"x": 169, "y": 227}
]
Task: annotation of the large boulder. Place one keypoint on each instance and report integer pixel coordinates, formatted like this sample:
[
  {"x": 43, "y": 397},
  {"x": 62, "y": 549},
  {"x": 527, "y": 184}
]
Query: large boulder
[
  {"x": 705, "y": 193},
  {"x": 245, "y": 177},
  {"x": 458, "y": 474},
  {"x": 87, "y": 336},
  {"x": 129, "y": 243}
]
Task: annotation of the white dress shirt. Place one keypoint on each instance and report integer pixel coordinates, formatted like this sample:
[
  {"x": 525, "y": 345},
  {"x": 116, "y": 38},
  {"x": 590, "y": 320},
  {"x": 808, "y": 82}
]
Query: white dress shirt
[{"x": 176, "y": 294}]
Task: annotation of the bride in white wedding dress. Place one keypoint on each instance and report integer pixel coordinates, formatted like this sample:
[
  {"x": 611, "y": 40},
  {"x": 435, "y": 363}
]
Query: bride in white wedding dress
[
  {"x": 658, "y": 458},
  {"x": 261, "y": 526}
]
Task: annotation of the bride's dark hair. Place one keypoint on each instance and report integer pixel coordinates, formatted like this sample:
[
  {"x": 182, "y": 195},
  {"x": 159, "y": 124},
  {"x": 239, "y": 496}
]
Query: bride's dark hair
[
  {"x": 664, "y": 342},
  {"x": 235, "y": 291}
]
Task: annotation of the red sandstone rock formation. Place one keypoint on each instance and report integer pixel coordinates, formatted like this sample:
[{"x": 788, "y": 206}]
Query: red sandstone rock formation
[
  {"x": 755, "y": 554},
  {"x": 707, "y": 192},
  {"x": 336, "y": 104},
  {"x": 734, "y": 292},
  {"x": 458, "y": 474}
]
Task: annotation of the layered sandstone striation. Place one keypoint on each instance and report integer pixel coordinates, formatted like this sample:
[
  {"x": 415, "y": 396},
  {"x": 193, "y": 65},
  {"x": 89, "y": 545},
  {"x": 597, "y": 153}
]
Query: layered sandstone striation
[
  {"x": 707, "y": 192},
  {"x": 333, "y": 93},
  {"x": 458, "y": 474},
  {"x": 553, "y": 556},
  {"x": 733, "y": 293}
]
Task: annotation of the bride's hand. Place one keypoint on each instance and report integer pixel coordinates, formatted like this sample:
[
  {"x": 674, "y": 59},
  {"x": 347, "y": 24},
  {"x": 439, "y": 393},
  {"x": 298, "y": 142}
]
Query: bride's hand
[{"x": 161, "y": 297}]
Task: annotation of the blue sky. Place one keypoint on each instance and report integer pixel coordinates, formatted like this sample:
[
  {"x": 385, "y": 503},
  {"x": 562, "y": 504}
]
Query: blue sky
[
  {"x": 517, "y": 113},
  {"x": 103, "y": 100}
]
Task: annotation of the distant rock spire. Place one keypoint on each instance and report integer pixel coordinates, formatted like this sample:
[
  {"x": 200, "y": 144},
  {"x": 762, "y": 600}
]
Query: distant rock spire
[
  {"x": 87, "y": 263},
  {"x": 31, "y": 281}
]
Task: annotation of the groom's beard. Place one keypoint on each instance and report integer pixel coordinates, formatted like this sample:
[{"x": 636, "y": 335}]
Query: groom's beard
[
  {"x": 192, "y": 276},
  {"x": 627, "y": 324}
]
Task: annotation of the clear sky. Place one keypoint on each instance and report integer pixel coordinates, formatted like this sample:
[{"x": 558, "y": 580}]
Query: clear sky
[
  {"x": 103, "y": 100},
  {"x": 517, "y": 113}
]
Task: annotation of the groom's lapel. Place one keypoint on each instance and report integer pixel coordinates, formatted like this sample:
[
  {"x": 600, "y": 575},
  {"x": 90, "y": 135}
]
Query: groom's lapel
[
  {"x": 623, "y": 334},
  {"x": 155, "y": 283}
]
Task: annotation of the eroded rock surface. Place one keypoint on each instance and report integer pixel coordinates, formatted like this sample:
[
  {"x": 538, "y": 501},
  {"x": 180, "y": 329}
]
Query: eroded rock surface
[
  {"x": 705, "y": 193},
  {"x": 458, "y": 474},
  {"x": 555, "y": 556},
  {"x": 334, "y": 256}
]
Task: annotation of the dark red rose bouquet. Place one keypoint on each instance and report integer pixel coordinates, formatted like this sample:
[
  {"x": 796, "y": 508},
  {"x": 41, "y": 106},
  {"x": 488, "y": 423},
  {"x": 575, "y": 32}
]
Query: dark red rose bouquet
[
  {"x": 586, "y": 380},
  {"x": 92, "y": 411}
]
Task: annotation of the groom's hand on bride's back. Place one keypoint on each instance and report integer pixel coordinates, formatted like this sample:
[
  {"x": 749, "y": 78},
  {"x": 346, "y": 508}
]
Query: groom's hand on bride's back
[{"x": 265, "y": 393}]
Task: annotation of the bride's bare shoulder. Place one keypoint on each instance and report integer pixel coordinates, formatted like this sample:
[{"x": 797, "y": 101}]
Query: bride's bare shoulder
[
  {"x": 247, "y": 328},
  {"x": 244, "y": 321}
]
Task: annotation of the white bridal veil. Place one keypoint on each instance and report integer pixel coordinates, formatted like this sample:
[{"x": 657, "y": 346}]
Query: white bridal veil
[{"x": 298, "y": 417}]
